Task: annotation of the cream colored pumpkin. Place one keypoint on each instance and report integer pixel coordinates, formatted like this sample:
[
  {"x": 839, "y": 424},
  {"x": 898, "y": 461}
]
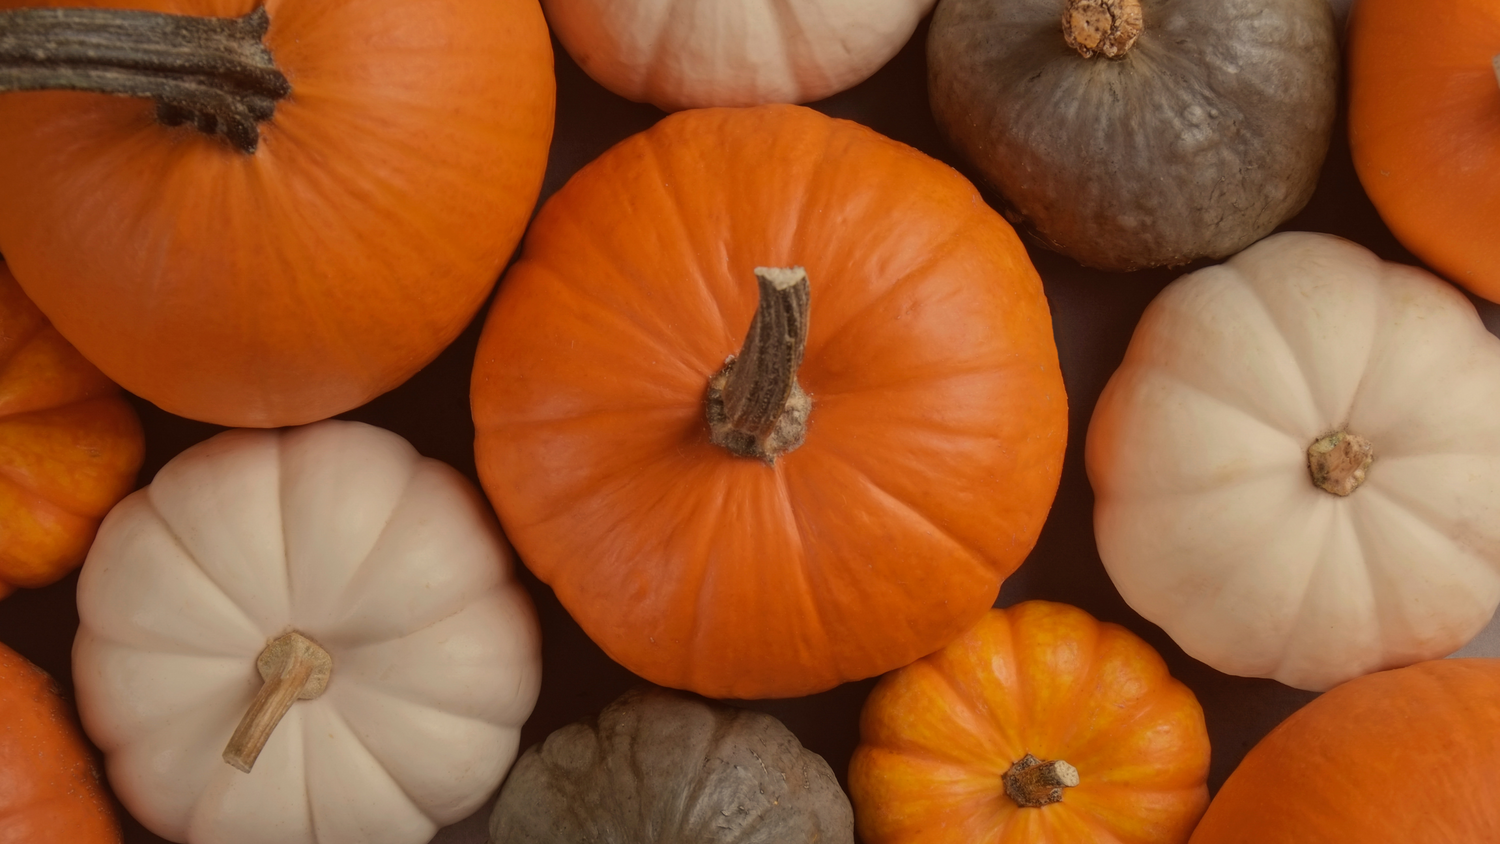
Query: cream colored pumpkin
[
  {"x": 732, "y": 52},
  {"x": 342, "y": 532},
  {"x": 1206, "y": 514}
]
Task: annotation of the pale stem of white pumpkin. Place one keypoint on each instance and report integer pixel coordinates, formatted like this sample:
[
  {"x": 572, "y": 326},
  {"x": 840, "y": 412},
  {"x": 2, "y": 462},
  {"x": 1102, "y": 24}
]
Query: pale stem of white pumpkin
[
  {"x": 1109, "y": 27},
  {"x": 294, "y": 668},
  {"x": 1338, "y": 461},
  {"x": 756, "y": 408},
  {"x": 1032, "y": 783}
]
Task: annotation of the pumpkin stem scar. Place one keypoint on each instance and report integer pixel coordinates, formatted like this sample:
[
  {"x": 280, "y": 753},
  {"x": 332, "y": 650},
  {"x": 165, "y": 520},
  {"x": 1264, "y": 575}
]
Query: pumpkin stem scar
[
  {"x": 294, "y": 668},
  {"x": 212, "y": 72},
  {"x": 1338, "y": 461},
  {"x": 1102, "y": 26},
  {"x": 1032, "y": 783},
  {"x": 756, "y": 408}
]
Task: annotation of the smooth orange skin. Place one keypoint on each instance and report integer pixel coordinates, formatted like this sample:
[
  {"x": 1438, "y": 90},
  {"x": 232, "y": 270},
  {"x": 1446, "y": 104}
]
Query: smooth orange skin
[
  {"x": 1042, "y": 678},
  {"x": 290, "y": 285},
  {"x": 70, "y": 446},
  {"x": 50, "y": 788},
  {"x": 934, "y": 444},
  {"x": 1424, "y": 129},
  {"x": 1407, "y": 756}
]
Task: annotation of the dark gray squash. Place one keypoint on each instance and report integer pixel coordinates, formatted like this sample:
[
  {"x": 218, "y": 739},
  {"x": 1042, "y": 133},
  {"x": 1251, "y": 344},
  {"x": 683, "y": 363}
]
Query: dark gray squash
[
  {"x": 663, "y": 767},
  {"x": 1196, "y": 140}
]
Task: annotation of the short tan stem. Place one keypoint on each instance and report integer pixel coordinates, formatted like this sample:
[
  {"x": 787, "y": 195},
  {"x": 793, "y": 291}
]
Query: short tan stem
[
  {"x": 1495, "y": 63},
  {"x": 756, "y": 408},
  {"x": 294, "y": 668},
  {"x": 1109, "y": 27},
  {"x": 1338, "y": 461},
  {"x": 1032, "y": 783}
]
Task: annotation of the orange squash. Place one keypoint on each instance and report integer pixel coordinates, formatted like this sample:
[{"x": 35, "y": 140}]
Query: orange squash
[
  {"x": 930, "y": 454},
  {"x": 1038, "y": 725},
  {"x": 49, "y": 786},
  {"x": 384, "y": 195},
  {"x": 1407, "y": 756},
  {"x": 70, "y": 446},
  {"x": 1424, "y": 129}
]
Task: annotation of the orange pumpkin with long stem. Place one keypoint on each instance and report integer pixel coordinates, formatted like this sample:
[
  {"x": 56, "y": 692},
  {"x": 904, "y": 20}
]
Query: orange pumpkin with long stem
[
  {"x": 849, "y": 493},
  {"x": 363, "y": 171},
  {"x": 70, "y": 446}
]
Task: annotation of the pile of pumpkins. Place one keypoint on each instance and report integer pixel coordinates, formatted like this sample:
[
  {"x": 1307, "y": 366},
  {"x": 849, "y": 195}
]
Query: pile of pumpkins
[{"x": 770, "y": 401}]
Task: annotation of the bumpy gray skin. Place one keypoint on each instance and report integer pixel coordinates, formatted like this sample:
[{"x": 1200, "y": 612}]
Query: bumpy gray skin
[
  {"x": 1203, "y": 138},
  {"x": 662, "y": 767}
]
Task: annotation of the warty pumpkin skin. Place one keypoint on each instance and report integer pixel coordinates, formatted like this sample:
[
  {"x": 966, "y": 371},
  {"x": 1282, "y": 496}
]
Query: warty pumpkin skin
[
  {"x": 933, "y": 446},
  {"x": 70, "y": 446},
  {"x": 1407, "y": 756},
  {"x": 1199, "y": 138},
  {"x": 1424, "y": 129},
  {"x": 294, "y": 283}
]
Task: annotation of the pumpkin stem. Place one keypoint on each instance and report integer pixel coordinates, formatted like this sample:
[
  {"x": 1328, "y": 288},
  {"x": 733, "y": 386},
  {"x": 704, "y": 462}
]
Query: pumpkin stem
[
  {"x": 1032, "y": 783},
  {"x": 755, "y": 406},
  {"x": 1495, "y": 63},
  {"x": 212, "y": 72},
  {"x": 294, "y": 668},
  {"x": 1102, "y": 26},
  {"x": 1338, "y": 461}
]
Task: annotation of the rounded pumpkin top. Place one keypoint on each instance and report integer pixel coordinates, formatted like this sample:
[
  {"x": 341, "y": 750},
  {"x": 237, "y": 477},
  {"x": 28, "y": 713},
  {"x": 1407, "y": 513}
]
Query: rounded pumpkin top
[
  {"x": 932, "y": 449},
  {"x": 294, "y": 283}
]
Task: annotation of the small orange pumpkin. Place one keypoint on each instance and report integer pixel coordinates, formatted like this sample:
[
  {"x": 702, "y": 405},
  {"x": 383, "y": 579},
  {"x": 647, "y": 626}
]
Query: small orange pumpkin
[
  {"x": 1040, "y": 724},
  {"x": 70, "y": 446}
]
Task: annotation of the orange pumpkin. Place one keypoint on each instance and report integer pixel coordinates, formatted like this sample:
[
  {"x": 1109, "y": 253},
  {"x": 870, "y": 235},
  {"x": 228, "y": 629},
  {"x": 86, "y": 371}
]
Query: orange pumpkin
[
  {"x": 1407, "y": 756},
  {"x": 70, "y": 446},
  {"x": 1424, "y": 129},
  {"x": 929, "y": 457},
  {"x": 1040, "y": 724},
  {"x": 286, "y": 285},
  {"x": 49, "y": 785}
]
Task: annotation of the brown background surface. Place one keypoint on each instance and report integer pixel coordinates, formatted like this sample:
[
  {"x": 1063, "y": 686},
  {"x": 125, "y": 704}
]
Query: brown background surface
[{"x": 1093, "y": 312}]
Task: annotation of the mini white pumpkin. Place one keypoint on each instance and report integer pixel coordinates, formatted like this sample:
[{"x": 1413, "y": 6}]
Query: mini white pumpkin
[
  {"x": 390, "y": 562},
  {"x": 1204, "y": 446},
  {"x": 732, "y": 52}
]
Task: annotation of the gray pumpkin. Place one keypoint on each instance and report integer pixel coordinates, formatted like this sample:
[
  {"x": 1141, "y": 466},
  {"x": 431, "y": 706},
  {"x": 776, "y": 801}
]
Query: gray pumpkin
[
  {"x": 662, "y": 767},
  {"x": 1204, "y": 132}
]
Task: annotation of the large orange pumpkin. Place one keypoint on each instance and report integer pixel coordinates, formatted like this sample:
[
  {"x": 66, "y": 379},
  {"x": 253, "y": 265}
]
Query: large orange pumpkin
[
  {"x": 70, "y": 447},
  {"x": 1424, "y": 129},
  {"x": 1407, "y": 756},
  {"x": 1038, "y": 725},
  {"x": 295, "y": 282},
  {"x": 49, "y": 784},
  {"x": 932, "y": 448}
]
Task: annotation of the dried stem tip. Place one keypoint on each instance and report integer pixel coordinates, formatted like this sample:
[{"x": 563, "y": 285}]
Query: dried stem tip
[
  {"x": 1032, "y": 783},
  {"x": 1338, "y": 461},
  {"x": 1102, "y": 26},
  {"x": 294, "y": 668}
]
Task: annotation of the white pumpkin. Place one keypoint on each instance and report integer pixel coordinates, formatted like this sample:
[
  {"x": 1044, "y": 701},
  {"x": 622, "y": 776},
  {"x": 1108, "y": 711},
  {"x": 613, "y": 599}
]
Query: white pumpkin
[
  {"x": 1202, "y": 450},
  {"x": 732, "y": 52},
  {"x": 339, "y": 531}
]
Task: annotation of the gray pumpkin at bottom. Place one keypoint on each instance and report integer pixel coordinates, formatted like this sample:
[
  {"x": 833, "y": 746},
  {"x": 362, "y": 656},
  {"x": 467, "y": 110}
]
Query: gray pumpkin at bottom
[
  {"x": 1203, "y": 136},
  {"x": 663, "y": 767}
]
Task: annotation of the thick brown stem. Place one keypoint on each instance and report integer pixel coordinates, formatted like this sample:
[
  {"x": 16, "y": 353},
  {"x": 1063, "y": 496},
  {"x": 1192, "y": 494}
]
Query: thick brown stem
[
  {"x": 1032, "y": 783},
  {"x": 1102, "y": 26},
  {"x": 212, "y": 72},
  {"x": 755, "y": 406},
  {"x": 294, "y": 668},
  {"x": 1338, "y": 461}
]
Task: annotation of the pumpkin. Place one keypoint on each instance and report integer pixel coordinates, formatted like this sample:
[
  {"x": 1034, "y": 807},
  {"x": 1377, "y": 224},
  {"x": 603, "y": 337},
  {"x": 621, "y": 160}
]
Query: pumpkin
[
  {"x": 658, "y": 765},
  {"x": 70, "y": 446},
  {"x": 732, "y": 52},
  {"x": 1423, "y": 129},
  {"x": 849, "y": 493},
  {"x": 384, "y": 194},
  {"x": 49, "y": 786},
  {"x": 308, "y": 635},
  {"x": 1410, "y": 755},
  {"x": 1139, "y": 133},
  {"x": 1296, "y": 468},
  {"x": 1039, "y": 724}
]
